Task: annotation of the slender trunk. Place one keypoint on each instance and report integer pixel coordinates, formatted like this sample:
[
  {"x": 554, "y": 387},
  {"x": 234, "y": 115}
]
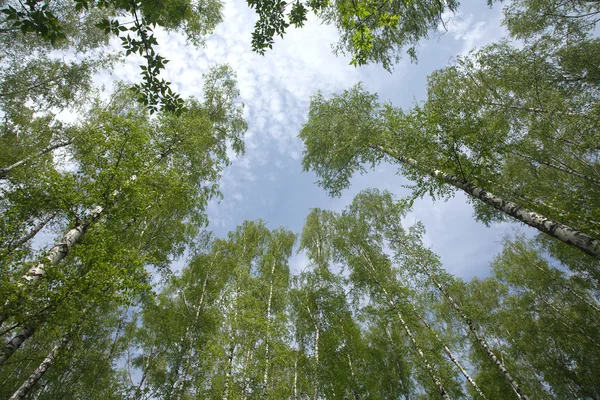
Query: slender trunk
[
  {"x": 454, "y": 360},
  {"x": 562, "y": 232},
  {"x": 353, "y": 375},
  {"x": 60, "y": 250},
  {"x": 39, "y": 372},
  {"x": 17, "y": 244},
  {"x": 428, "y": 366},
  {"x": 229, "y": 371},
  {"x": 295, "y": 390},
  {"x": 431, "y": 372},
  {"x": 316, "y": 359},
  {"x": 16, "y": 342},
  {"x": 565, "y": 170},
  {"x": 245, "y": 378},
  {"x": 268, "y": 338},
  {"x": 4, "y": 171},
  {"x": 480, "y": 340},
  {"x": 188, "y": 341}
]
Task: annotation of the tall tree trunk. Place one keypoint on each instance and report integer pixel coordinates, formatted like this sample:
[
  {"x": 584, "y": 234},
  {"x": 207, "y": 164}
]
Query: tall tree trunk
[
  {"x": 60, "y": 250},
  {"x": 189, "y": 342},
  {"x": 480, "y": 340},
  {"x": 229, "y": 371},
  {"x": 454, "y": 360},
  {"x": 16, "y": 342},
  {"x": 564, "y": 233},
  {"x": 245, "y": 378},
  {"x": 53, "y": 257},
  {"x": 268, "y": 338},
  {"x": 316, "y": 360},
  {"x": 353, "y": 375},
  {"x": 4, "y": 171},
  {"x": 428, "y": 367},
  {"x": 295, "y": 389},
  {"x": 39, "y": 372}
]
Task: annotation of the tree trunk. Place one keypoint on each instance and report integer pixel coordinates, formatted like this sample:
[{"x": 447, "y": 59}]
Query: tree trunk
[
  {"x": 562, "y": 232},
  {"x": 316, "y": 358},
  {"x": 4, "y": 171},
  {"x": 60, "y": 250},
  {"x": 268, "y": 338},
  {"x": 480, "y": 340},
  {"x": 39, "y": 372},
  {"x": 245, "y": 378},
  {"x": 179, "y": 385},
  {"x": 428, "y": 366},
  {"x": 454, "y": 360},
  {"x": 17, "y": 244},
  {"x": 295, "y": 390},
  {"x": 229, "y": 370},
  {"x": 15, "y": 343}
]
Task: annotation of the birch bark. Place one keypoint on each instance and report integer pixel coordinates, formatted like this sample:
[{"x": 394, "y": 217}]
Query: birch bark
[
  {"x": 4, "y": 171},
  {"x": 564, "y": 233},
  {"x": 480, "y": 340},
  {"x": 60, "y": 250},
  {"x": 16, "y": 342}
]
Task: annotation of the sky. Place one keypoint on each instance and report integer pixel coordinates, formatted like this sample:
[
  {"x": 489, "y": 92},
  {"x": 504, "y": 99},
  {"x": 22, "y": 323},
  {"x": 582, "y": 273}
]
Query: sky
[{"x": 268, "y": 181}]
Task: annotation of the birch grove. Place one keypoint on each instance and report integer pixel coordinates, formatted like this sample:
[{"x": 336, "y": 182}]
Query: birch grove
[{"x": 112, "y": 285}]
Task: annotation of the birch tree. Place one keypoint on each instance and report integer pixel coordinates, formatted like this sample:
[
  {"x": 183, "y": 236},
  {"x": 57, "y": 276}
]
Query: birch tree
[
  {"x": 552, "y": 334},
  {"x": 353, "y": 129}
]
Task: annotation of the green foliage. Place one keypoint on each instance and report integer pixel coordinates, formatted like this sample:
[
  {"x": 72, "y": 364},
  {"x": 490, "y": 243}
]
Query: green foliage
[
  {"x": 370, "y": 31},
  {"x": 52, "y": 24}
]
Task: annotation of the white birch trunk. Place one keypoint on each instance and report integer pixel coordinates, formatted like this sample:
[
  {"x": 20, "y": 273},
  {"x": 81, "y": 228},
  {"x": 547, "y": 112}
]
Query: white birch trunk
[
  {"x": 428, "y": 366},
  {"x": 268, "y": 338},
  {"x": 431, "y": 372},
  {"x": 480, "y": 340},
  {"x": 60, "y": 250},
  {"x": 295, "y": 389},
  {"x": 228, "y": 373},
  {"x": 16, "y": 342},
  {"x": 557, "y": 230},
  {"x": 245, "y": 378},
  {"x": 454, "y": 360},
  {"x": 37, "y": 374},
  {"x": 30, "y": 235},
  {"x": 179, "y": 385},
  {"x": 4, "y": 171},
  {"x": 316, "y": 359}
]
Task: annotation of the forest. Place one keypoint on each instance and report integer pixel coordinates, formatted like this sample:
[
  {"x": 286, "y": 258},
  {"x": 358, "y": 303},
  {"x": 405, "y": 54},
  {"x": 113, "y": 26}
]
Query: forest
[{"x": 113, "y": 286}]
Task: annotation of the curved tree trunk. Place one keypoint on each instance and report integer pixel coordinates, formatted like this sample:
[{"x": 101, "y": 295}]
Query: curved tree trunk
[{"x": 562, "y": 232}]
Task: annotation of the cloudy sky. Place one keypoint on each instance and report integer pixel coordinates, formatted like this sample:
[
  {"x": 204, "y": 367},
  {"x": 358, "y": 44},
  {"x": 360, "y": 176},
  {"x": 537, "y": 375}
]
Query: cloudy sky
[{"x": 268, "y": 181}]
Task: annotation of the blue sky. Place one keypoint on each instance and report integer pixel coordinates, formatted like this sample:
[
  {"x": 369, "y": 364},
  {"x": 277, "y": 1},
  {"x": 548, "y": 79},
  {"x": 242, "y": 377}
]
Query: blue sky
[{"x": 268, "y": 182}]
